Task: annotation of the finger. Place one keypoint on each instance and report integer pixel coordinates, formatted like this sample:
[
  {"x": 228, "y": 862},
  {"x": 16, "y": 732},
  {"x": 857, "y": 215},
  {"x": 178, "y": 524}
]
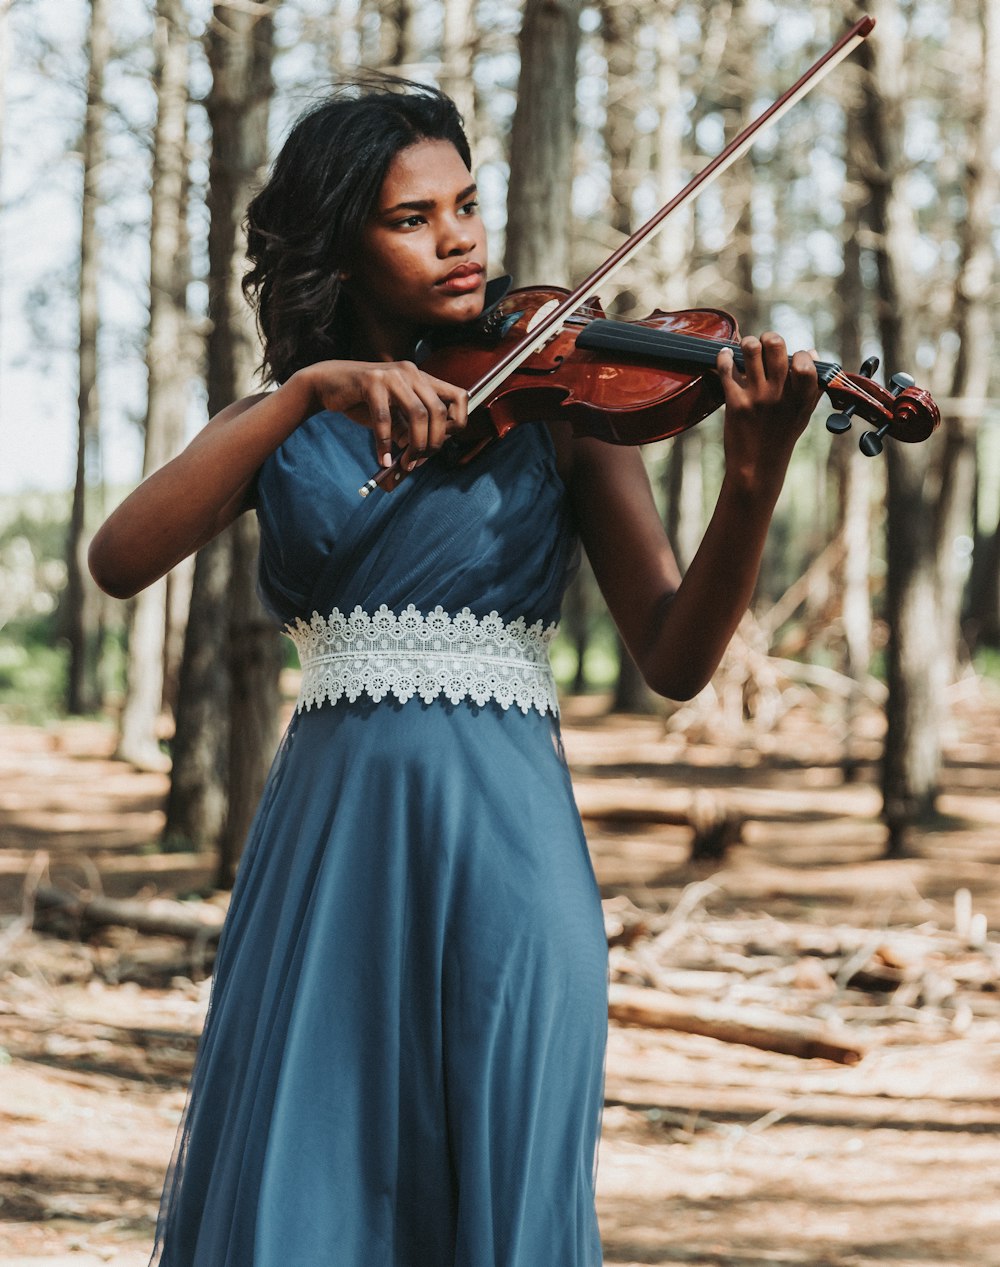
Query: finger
[
  {"x": 803, "y": 375},
  {"x": 400, "y": 431},
  {"x": 804, "y": 363},
  {"x": 725, "y": 365},
  {"x": 437, "y": 415},
  {"x": 456, "y": 400},
  {"x": 417, "y": 422},
  {"x": 774, "y": 358},
  {"x": 380, "y": 413},
  {"x": 753, "y": 361}
]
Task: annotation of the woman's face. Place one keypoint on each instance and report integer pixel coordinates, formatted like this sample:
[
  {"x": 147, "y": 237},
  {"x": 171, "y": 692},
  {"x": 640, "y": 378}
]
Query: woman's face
[{"x": 423, "y": 251}]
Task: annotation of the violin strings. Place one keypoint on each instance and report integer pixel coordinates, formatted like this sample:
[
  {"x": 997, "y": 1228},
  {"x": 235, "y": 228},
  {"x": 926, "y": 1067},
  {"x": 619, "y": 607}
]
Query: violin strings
[
  {"x": 704, "y": 350},
  {"x": 841, "y": 380},
  {"x": 624, "y": 336}
]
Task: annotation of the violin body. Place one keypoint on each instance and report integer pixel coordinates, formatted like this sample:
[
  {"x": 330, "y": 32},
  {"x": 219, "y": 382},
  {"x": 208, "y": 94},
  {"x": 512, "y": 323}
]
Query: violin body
[{"x": 628, "y": 399}]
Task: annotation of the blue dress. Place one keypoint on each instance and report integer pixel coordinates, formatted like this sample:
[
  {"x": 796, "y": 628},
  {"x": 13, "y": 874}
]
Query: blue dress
[{"x": 403, "y": 1060}]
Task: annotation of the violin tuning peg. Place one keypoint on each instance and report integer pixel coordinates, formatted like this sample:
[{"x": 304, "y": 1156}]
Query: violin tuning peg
[
  {"x": 870, "y": 443},
  {"x": 869, "y": 367},
  {"x": 900, "y": 382},
  {"x": 837, "y": 424}
]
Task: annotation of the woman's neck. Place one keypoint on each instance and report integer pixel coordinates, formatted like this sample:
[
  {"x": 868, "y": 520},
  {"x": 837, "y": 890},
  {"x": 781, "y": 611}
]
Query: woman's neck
[{"x": 375, "y": 340}]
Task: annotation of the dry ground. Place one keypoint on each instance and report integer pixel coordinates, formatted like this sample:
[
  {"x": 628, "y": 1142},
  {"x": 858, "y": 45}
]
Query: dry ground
[{"x": 712, "y": 1153}]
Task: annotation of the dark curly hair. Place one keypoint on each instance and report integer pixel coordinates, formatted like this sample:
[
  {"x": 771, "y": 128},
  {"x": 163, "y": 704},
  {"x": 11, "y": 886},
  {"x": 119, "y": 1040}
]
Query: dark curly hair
[{"x": 305, "y": 224}]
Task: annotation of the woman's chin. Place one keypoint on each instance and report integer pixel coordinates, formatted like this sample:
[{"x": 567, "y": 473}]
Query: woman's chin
[{"x": 458, "y": 309}]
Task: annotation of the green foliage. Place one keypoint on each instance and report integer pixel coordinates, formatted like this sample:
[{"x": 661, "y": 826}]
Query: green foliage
[
  {"x": 32, "y": 671},
  {"x": 32, "y": 575},
  {"x": 600, "y": 663}
]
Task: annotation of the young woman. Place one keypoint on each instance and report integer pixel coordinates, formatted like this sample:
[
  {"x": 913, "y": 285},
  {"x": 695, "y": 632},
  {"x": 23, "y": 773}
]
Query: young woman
[{"x": 402, "y": 1064}]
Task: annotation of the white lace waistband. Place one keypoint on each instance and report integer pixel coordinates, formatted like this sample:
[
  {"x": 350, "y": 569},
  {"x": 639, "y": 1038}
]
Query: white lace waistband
[{"x": 462, "y": 657}]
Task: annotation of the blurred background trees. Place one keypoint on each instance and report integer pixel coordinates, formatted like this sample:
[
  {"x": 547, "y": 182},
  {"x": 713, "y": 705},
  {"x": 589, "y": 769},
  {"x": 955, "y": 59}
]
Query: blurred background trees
[{"x": 866, "y": 224}]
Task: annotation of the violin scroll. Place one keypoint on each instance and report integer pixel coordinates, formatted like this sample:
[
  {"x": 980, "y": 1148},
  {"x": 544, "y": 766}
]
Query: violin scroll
[{"x": 901, "y": 411}]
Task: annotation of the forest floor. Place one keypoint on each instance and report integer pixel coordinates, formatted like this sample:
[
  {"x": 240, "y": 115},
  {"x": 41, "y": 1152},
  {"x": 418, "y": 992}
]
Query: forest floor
[{"x": 713, "y": 1152}]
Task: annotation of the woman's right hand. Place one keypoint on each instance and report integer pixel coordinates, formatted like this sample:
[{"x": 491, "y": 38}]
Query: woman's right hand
[
  {"x": 182, "y": 506},
  {"x": 397, "y": 401}
]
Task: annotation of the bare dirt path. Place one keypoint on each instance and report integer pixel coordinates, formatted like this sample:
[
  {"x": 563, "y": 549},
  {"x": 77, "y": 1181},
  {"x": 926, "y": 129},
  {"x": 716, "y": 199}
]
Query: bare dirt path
[{"x": 712, "y": 1152}]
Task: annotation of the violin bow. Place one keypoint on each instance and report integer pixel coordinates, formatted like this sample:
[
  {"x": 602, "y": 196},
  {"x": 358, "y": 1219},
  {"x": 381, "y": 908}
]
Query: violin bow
[{"x": 551, "y": 318}]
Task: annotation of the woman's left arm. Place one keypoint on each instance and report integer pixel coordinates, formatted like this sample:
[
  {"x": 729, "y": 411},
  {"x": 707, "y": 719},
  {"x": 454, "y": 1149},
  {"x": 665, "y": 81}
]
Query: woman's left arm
[{"x": 677, "y": 630}]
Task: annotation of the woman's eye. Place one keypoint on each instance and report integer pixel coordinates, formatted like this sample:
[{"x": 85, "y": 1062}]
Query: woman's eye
[
  {"x": 411, "y": 222},
  {"x": 470, "y": 208}
]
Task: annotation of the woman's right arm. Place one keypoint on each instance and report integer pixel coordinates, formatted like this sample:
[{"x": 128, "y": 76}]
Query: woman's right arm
[{"x": 187, "y": 502}]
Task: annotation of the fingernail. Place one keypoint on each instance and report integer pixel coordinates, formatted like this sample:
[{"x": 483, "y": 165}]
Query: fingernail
[{"x": 387, "y": 459}]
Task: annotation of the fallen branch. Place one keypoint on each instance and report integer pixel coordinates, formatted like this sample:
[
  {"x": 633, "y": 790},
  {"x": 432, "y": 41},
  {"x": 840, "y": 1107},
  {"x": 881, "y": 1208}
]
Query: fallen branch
[
  {"x": 156, "y": 916},
  {"x": 753, "y": 1027},
  {"x": 714, "y": 825}
]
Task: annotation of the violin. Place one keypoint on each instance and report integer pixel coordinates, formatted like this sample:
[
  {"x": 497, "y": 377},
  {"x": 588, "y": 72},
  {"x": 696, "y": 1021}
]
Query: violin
[
  {"x": 547, "y": 352},
  {"x": 634, "y": 382}
]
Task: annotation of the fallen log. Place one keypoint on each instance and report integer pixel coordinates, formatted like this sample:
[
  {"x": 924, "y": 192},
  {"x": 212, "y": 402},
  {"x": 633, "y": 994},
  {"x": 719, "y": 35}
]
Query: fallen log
[
  {"x": 751, "y": 1026},
  {"x": 714, "y": 825},
  {"x": 155, "y": 916}
]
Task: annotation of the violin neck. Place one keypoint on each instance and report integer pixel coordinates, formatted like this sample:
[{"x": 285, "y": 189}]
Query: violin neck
[{"x": 687, "y": 351}]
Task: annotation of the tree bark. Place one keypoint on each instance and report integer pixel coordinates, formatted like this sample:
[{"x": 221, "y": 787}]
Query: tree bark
[
  {"x": 197, "y": 800},
  {"x": 397, "y": 34},
  {"x": 168, "y": 367},
  {"x": 228, "y": 707},
  {"x": 241, "y": 52},
  {"x": 83, "y": 604},
  {"x": 983, "y": 621},
  {"x": 620, "y": 26},
  {"x": 739, "y": 83},
  {"x": 915, "y": 706},
  {"x": 674, "y": 245},
  {"x": 972, "y": 321},
  {"x": 683, "y": 483},
  {"x": 852, "y": 473},
  {"x": 458, "y": 48},
  {"x": 539, "y": 199}
]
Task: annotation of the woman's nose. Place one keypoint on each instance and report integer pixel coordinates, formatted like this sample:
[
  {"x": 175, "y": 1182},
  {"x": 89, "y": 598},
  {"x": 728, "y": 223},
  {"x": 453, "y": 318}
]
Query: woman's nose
[{"x": 458, "y": 237}]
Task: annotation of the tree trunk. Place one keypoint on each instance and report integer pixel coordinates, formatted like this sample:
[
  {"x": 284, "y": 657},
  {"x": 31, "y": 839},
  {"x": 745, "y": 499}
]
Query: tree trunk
[
  {"x": 241, "y": 50},
  {"x": 83, "y": 604},
  {"x": 167, "y": 366},
  {"x": 683, "y": 483},
  {"x": 228, "y": 706},
  {"x": 179, "y": 583},
  {"x": 196, "y": 803},
  {"x": 539, "y": 199},
  {"x": 684, "y": 494},
  {"x": 972, "y": 321},
  {"x": 674, "y": 245},
  {"x": 256, "y": 654},
  {"x": 739, "y": 83},
  {"x": 852, "y": 472},
  {"x": 397, "y": 34},
  {"x": 458, "y": 46},
  {"x": 983, "y": 623},
  {"x": 620, "y": 25},
  {"x": 915, "y": 706},
  {"x": 619, "y": 32}
]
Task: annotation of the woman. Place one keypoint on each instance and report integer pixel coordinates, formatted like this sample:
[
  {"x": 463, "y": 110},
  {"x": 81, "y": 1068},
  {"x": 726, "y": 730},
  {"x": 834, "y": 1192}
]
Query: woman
[{"x": 402, "y": 1064}]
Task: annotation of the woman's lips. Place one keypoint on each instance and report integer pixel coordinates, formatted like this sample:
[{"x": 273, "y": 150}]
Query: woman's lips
[{"x": 462, "y": 280}]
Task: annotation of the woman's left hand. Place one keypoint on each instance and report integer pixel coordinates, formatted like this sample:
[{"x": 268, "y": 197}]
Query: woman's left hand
[{"x": 768, "y": 405}]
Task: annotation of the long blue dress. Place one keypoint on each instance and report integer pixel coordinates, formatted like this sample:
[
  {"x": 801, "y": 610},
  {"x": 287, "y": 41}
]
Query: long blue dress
[{"x": 402, "y": 1064}]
